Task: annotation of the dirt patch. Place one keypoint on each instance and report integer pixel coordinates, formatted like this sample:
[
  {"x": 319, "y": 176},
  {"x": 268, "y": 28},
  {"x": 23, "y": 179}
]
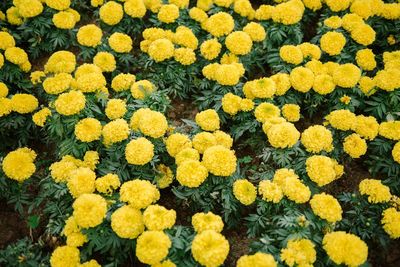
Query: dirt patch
[
  {"x": 12, "y": 227},
  {"x": 181, "y": 109},
  {"x": 239, "y": 245}
]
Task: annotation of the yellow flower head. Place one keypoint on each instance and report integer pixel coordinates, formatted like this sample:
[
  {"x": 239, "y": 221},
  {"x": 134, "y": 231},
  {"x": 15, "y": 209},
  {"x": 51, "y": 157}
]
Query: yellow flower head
[
  {"x": 375, "y": 190},
  {"x": 120, "y": 42},
  {"x": 111, "y": 13},
  {"x": 291, "y": 54},
  {"x": 191, "y": 173},
  {"x": 317, "y": 138},
  {"x": 323, "y": 170},
  {"x": 19, "y": 164},
  {"x": 127, "y": 222},
  {"x": 88, "y": 130},
  {"x": 299, "y": 252},
  {"x": 207, "y": 221},
  {"x": 65, "y": 256},
  {"x": 326, "y": 207},
  {"x": 208, "y": 120},
  {"x": 219, "y": 160},
  {"x": 244, "y": 191},
  {"x": 89, "y": 210},
  {"x": 89, "y": 35},
  {"x": 355, "y": 146},
  {"x": 139, "y": 193},
  {"x": 139, "y": 151},
  {"x": 158, "y": 218},
  {"x": 152, "y": 247},
  {"x": 210, "y": 248}
]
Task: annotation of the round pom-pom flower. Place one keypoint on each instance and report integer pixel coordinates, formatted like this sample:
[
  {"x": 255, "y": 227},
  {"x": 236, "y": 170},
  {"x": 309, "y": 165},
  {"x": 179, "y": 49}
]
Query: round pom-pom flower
[
  {"x": 81, "y": 181},
  {"x": 177, "y": 142},
  {"x": 89, "y": 35},
  {"x": 19, "y": 164},
  {"x": 317, "y": 138},
  {"x": 220, "y": 160},
  {"x": 210, "y": 248},
  {"x": 347, "y": 75},
  {"x": 152, "y": 247},
  {"x": 375, "y": 190},
  {"x": 127, "y": 222},
  {"x": 24, "y": 103},
  {"x": 158, "y": 218},
  {"x": 344, "y": 248},
  {"x": 65, "y": 256},
  {"x": 396, "y": 152},
  {"x": 105, "y": 61},
  {"x": 283, "y": 135},
  {"x": 161, "y": 49},
  {"x": 88, "y": 130},
  {"x": 355, "y": 146},
  {"x": 299, "y": 252},
  {"x": 120, "y": 42},
  {"x": 327, "y": 207},
  {"x": 244, "y": 191},
  {"x": 108, "y": 183},
  {"x": 64, "y": 20},
  {"x": 135, "y": 8},
  {"x": 70, "y": 103},
  {"x": 239, "y": 43},
  {"x": 323, "y": 170},
  {"x": 391, "y": 222},
  {"x": 259, "y": 259},
  {"x": 115, "y": 131},
  {"x": 219, "y": 24},
  {"x": 115, "y": 109},
  {"x": 89, "y": 210},
  {"x": 168, "y": 13},
  {"x": 332, "y": 43},
  {"x": 302, "y": 79},
  {"x": 291, "y": 112},
  {"x": 208, "y": 120},
  {"x": 207, "y": 221},
  {"x": 191, "y": 173},
  {"x": 111, "y": 13},
  {"x": 270, "y": 191},
  {"x": 210, "y": 49},
  {"x": 291, "y": 54},
  {"x": 139, "y": 193},
  {"x": 139, "y": 151}
]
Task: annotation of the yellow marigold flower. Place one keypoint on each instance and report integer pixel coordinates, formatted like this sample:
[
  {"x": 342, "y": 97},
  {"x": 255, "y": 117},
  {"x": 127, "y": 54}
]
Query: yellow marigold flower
[
  {"x": 363, "y": 34},
  {"x": 256, "y": 31},
  {"x": 227, "y": 74},
  {"x": 16, "y": 55},
  {"x": 350, "y": 21},
  {"x": 198, "y": 14},
  {"x": 375, "y": 190},
  {"x": 239, "y": 43},
  {"x": 5, "y": 106},
  {"x": 177, "y": 142},
  {"x": 336, "y": 6},
  {"x": 105, "y": 61},
  {"x": 244, "y": 191},
  {"x": 115, "y": 109},
  {"x": 204, "y": 4},
  {"x": 317, "y": 138},
  {"x": 135, "y": 8},
  {"x": 57, "y": 84},
  {"x": 60, "y": 171},
  {"x": 270, "y": 191},
  {"x": 185, "y": 56},
  {"x": 122, "y": 82},
  {"x": 96, "y": 3},
  {"x": 29, "y": 8},
  {"x": 391, "y": 40},
  {"x": 344, "y": 248},
  {"x": 76, "y": 239},
  {"x": 299, "y": 252},
  {"x": 291, "y": 112},
  {"x": 13, "y": 16},
  {"x": 89, "y": 210},
  {"x": 362, "y": 8},
  {"x": 342, "y": 119},
  {"x": 58, "y": 4},
  {"x": 223, "y": 139},
  {"x": 210, "y": 248},
  {"x": 345, "y": 99},
  {"x": 283, "y": 135},
  {"x": 316, "y": 66},
  {"x": 115, "y": 131},
  {"x": 295, "y": 190},
  {"x": 39, "y": 118},
  {"x": 65, "y": 256},
  {"x": 111, "y": 13},
  {"x": 60, "y": 61},
  {"x": 259, "y": 259},
  {"x": 347, "y": 75},
  {"x": 323, "y": 170},
  {"x": 281, "y": 175},
  {"x": 64, "y": 20},
  {"x": 187, "y": 154},
  {"x": 326, "y": 207},
  {"x": 387, "y": 79},
  {"x": 139, "y": 151},
  {"x": 207, "y": 221},
  {"x": 390, "y": 130},
  {"x": 366, "y": 59},
  {"x": 19, "y": 164},
  {"x": 231, "y": 103},
  {"x": 219, "y": 160},
  {"x": 313, "y": 4},
  {"x": 91, "y": 263},
  {"x": 331, "y": 67},
  {"x": 165, "y": 176},
  {"x": 291, "y": 54},
  {"x": 367, "y": 127},
  {"x": 244, "y": 8},
  {"x": 120, "y": 42},
  {"x": 153, "y": 5},
  {"x": 333, "y": 22},
  {"x": 302, "y": 79},
  {"x": 268, "y": 123},
  {"x": 168, "y": 13},
  {"x": 391, "y": 222},
  {"x": 89, "y": 35},
  {"x": 185, "y": 37},
  {"x": 265, "y": 111},
  {"x": 141, "y": 89},
  {"x": 152, "y": 247},
  {"x": 210, "y": 49},
  {"x": 158, "y": 218},
  {"x": 282, "y": 82},
  {"x": 139, "y": 193},
  {"x": 332, "y": 43},
  {"x": 229, "y": 58},
  {"x": 76, "y": 14},
  {"x": 208, "y": 120},
  {"x": 88, "y": 130},
  {"x": 191, "y": 173},
  {"x": 152, "y": 123},
  {"x": 261, "y": 88},
  {"x": 355, "y": 146},
  {"x": 6, "y": 40},
  {"x": 161, "y": 49},
  {"x": 210, "y": 70},
  {"x": 24, "y": 103},
  {"x": 153, "y": 34},
  {"x": 81, "y": 181},
  {"x": 127, "y": 222},
  {"x": 202, "y": 141},
  {"x": 289, "y": 12},
  {"x": 219, "y": 24},
  {"x": 223, "y": 3},
  {"x": 107, "y": 183},
  {"x": 70, "y": 103}
]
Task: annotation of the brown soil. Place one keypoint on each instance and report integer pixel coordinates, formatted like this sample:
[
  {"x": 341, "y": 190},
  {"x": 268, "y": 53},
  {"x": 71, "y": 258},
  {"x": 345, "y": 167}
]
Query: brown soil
[
  {"x": 12, "y": 227},
  {"x": 239, "y": 245}
]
